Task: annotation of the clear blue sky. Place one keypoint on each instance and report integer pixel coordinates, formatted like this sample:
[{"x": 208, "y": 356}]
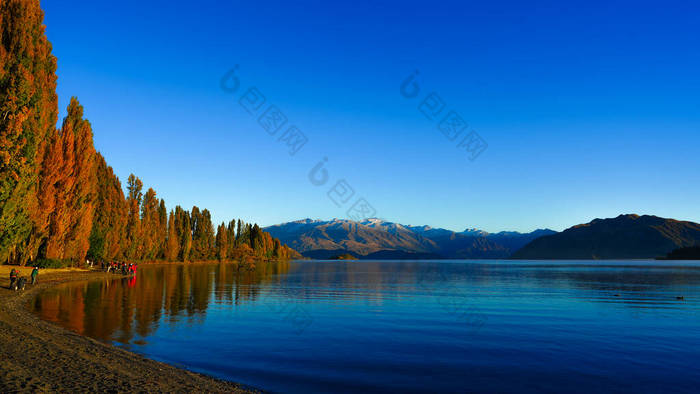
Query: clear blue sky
[{"x": 590, "y": 109}]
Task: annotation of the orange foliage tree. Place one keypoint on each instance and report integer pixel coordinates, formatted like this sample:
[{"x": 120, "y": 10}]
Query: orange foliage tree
[{"x": 28, "y": 114}]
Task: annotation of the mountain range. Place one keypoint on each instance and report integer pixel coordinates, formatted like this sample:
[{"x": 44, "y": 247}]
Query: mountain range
[
  {"x": 624, "y": 237},
  {"x": 378, "y": 239}
]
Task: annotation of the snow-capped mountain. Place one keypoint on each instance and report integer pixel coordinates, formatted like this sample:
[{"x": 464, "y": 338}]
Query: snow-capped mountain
[{"x": 377, "y": 238}]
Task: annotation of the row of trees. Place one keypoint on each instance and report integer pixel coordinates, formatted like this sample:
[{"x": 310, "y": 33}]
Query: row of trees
[
  {"x": 58, "y": 197},
  {"x": 139, "y": 227}
]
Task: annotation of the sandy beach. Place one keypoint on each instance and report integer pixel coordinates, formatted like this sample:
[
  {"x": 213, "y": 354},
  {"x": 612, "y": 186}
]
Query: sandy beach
[{"x": 42, "y": 357}]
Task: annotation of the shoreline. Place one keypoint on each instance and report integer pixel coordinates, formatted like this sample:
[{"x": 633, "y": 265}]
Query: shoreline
[{"x": 40, "y": 356}]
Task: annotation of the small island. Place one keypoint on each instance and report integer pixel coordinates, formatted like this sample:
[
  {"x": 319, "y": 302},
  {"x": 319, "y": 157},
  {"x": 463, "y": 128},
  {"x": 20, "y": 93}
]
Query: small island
[{"x": 344, "y": 256}]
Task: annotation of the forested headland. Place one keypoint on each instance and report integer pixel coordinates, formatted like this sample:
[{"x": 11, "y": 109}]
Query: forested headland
[{"x": 60, "y": 200}]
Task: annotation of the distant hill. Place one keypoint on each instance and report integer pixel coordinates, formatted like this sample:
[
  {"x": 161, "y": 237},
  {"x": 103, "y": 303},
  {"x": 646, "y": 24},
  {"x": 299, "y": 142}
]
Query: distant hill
[
  {"x": 378, "y": 239},
  {"x": 623, "y": 237}
]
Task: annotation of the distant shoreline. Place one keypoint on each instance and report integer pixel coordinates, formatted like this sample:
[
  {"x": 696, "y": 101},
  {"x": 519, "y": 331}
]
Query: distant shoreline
[{"x": 51, "y": 358}]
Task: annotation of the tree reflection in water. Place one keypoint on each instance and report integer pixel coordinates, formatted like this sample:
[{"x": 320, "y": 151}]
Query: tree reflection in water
[{"x": 115, "y": 310}]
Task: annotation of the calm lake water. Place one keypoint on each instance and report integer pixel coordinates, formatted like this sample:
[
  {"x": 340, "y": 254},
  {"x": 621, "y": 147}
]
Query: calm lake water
[{"x": 448, "y": 326}]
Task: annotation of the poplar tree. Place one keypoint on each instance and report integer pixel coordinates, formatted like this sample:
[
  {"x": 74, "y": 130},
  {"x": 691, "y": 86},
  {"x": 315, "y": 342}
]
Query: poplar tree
[
  {"x": 82, "y": 195},
  {"x": 150, "y": 225},
  {"x": 28, "y": 115},
  {"x": 231, "y": 238},
  {"x": 221, "y": 242},
  {"x": 208, "y": 236},
  {"x": 71, "y": 173},
  {"x": 203, "y": 237},
  {"x": 134, "y": 247},
  {"x": 195, "y": 228},
  {"x": 47, "y": 202},
  {"x": 256, "y": 242},
  {"x": 60, "y": 217},
  {"x": 172, "y": 248},
  {"x": 184, "y": 233},
  {"x": 162, "y": 229},
  {"x": 108, "y": 236}
]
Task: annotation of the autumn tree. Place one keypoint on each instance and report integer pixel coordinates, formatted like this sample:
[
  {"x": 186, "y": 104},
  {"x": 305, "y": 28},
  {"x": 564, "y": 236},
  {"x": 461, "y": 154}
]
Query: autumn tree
[
  {"x": 203, "y": 238},
  {"x": 162, "y": 229},
  {"x": 154, "y": 226},
  {"x": 134, "y": 248},
  {"x": 238, "y": 232},
  {"x": 208, "y": 237},
  {"x": 231, "y": 238},
  {"x": 150, "y": 225},
  {"x": 221, "y": 242},
  {"x": 172, "y": 247},
  {"x": 243, "y": 234},
  {"x": 28, "y": 114},
  {"x": 51, "y": 167},
  {"x": 108, "y": 235},
  {"x": 184, "y": 233},
  {"x": 81, "y": 198},
  {"x": 60, "y": 216},
  {"x": 195, "y": 223},
  {"x": 74, "y": 188}
]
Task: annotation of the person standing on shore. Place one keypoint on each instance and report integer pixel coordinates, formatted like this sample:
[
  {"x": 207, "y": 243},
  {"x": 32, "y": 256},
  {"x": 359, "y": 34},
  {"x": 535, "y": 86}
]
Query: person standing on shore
[
  {"x": 35, "y": 273},
  {"x": 13, "y": 277}
]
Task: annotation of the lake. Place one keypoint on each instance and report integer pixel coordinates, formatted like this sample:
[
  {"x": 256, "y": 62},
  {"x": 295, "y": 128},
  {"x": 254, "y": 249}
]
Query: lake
[{"x": 409, "y": 326}]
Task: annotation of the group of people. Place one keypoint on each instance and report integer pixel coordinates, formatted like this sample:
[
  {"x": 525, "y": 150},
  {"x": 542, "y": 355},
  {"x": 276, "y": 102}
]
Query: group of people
[
  {"x": 117, "y": 267},
  {"x": 19, "y": 282}
]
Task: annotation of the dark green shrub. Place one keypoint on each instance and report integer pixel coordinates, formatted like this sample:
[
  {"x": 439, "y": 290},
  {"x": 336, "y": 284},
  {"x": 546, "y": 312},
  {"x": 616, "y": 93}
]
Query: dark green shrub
[{"x": 52, "y": 263}]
